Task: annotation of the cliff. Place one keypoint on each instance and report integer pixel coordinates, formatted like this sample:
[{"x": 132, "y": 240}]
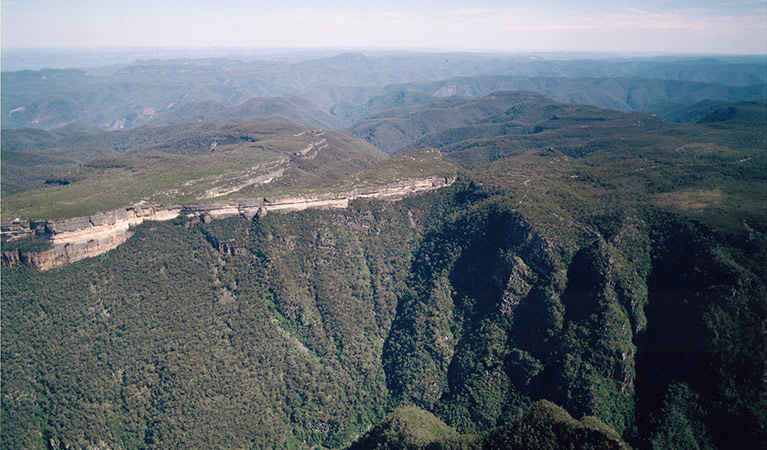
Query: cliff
[
  {"x": 79, "y": 237},
  {"x": 84, "y": 237}
]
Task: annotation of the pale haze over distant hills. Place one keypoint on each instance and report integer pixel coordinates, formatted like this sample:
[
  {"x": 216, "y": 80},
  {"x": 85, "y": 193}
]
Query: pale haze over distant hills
[{"x": 731, "y": 27}]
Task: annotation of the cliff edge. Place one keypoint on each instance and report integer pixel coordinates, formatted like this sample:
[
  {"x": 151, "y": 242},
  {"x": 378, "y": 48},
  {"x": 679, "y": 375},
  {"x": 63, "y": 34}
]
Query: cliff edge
[{"x": 84, "y": 237}]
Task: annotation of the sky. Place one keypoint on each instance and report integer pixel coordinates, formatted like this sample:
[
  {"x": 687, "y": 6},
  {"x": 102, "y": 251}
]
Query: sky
[{"x": 650, "y": 26}]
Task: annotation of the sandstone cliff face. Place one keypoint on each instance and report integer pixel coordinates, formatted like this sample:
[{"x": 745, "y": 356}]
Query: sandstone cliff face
[
  {"x": 21, "y": 228},
  {"x": 83, "y": 237},
  {"x": 11, "y": 258},
  {"x": 80, "y": 237}
]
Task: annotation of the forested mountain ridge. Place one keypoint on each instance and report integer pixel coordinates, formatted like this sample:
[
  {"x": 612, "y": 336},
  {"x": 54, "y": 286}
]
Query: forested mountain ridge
[{"x": 543, "y": 426}]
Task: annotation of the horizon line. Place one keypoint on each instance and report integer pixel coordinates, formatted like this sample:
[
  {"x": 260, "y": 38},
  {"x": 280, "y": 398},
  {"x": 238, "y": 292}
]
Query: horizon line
[{"x": 413, "y": 49}]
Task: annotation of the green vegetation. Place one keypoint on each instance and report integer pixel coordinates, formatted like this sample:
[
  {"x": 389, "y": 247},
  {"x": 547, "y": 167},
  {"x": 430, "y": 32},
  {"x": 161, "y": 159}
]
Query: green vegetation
[
  {"x": 543, "y": 426},
  {"x": 407, "y": 428},
  {"x": 251, "y": 160},
  {"x": 291, "y": 362},
  {"x": 32, "y": 243},
  {"x": 103, "y": 185},
  {"x": 547, "y": 426},
  {"x": 318, "y": 322},
  {"x": 594, "y": 158},
  {"x": 611, "y": 264},
  {"x": 415, "y": 163}
]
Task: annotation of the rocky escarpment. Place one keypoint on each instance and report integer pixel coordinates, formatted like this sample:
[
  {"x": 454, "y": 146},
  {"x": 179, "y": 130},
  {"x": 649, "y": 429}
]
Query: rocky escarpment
[
  {"x": 79, "y": 237},
  {"x": 84, "y": 237}
]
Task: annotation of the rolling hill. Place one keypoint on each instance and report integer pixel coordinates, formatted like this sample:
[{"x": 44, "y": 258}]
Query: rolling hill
[
  {"x": 500, "y": 113},
  {"x": 624, "y": 94}
]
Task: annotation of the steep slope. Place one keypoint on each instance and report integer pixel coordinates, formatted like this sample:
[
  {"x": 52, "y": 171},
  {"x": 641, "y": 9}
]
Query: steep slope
[{"x": 289, "y": 362}]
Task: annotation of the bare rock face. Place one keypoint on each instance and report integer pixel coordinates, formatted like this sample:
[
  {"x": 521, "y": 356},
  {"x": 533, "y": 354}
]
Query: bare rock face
[
  {"x": 69, "y": 225},
  {"x": 44, "y": 260},
  {"x": 16, "y": 229},
  {"x": 79, "y": 237},
  {"x": 83, "y": 237},
  {"x": 521, "y": 280},
  {"x": 11, "y": 258}
]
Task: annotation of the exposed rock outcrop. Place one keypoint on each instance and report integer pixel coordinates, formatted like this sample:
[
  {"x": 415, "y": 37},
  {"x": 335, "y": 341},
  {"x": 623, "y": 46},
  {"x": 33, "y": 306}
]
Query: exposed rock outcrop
[
  {"x": 80, "y": 237},
  {"x": 11, "y": 257},
  {"x": 83, "y": 237}
]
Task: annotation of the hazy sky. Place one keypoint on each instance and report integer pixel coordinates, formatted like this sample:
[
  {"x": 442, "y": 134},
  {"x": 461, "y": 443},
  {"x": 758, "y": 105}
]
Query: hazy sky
[{"x": 701, "y": 26}]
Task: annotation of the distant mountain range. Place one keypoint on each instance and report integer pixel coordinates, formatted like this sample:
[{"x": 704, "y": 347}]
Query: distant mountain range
[{"x": 351, "y": 87}]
